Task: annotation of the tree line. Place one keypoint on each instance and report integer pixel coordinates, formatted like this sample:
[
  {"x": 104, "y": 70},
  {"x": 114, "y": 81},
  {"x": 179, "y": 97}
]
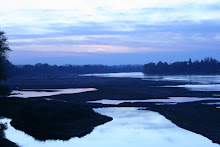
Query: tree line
[
  {"x": 4, "y": 48},
  {"x": 205, "y": 66},
  {"x": 43, "y": 69}
]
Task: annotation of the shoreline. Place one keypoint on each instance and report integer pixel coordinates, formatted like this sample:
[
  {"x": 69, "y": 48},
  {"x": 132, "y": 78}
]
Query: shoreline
[
  {"x": 130, "y": 89},
  {"x": 51, "y": 119}
]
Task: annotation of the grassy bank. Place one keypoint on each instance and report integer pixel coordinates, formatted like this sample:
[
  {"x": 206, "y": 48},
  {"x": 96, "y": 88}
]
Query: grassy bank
[
  {"x": 198, "y": 118},
  {"x": 51, "y": 119}
]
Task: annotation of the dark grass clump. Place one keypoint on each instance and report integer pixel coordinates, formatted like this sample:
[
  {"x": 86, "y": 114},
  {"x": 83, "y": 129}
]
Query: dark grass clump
[
  {"x": 4, "y": 90},
  {"x": 51, "y": 119},
  {"x": 3, "y": 141},
  {"x": 3, "y": 127}
]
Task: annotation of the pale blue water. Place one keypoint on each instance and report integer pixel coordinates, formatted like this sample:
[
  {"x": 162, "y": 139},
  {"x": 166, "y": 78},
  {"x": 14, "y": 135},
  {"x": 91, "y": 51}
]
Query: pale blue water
[
  {"x": 130, "y": 128},
  {"x": 198, "y": 87},
  {"x": 203, "y": 82},
  {"x": 29, "y": 94},
  {"x": 171, "y": 100},
  {"x": 205, "y": 79}
]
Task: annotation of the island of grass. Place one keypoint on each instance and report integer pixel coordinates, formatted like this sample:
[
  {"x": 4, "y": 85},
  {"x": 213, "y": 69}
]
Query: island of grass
[{"x": 51, "y": 119}]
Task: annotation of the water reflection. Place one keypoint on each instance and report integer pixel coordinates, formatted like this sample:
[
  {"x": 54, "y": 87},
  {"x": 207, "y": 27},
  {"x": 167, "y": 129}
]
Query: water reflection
[
  {"x": 203, "y": 87},
  {"x": 216, "y": 103},
  {"x": 47, "y": 92},
  {"x": 205, "y": 82},
  {"x": 171, "y": 100},
  {"x": 119, "y": 75},
  {"x": 205, "y": 79},
  {"x": 202, "y": 79},
  {"x": 130, "y": 127}
]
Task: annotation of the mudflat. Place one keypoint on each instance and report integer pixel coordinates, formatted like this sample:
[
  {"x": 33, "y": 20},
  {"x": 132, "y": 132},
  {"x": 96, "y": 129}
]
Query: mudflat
[{"x": 193, "y": 116}]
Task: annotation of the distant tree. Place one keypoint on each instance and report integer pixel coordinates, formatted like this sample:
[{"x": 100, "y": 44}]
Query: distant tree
[
  {"x": 4, "y": 48},
  {"x": 206, "y": 66},
  {"x": 190, "y": 61}
]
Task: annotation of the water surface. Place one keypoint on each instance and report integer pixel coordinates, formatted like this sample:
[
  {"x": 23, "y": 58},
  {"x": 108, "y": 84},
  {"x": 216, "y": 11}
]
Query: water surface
[
  {"x": 205, "y": 79},
  {"x": 202, "y": 87},
  {"x": 171, "y": 100},
  {"x": 130, "y": 128},
  {"x": 203, "y": 82},
  {"x": 47, "y": 92}
]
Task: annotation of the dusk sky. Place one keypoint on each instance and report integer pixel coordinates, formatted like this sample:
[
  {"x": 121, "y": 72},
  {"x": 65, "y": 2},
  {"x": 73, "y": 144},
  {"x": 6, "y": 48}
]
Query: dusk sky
[{"x": 110, "y": 31}]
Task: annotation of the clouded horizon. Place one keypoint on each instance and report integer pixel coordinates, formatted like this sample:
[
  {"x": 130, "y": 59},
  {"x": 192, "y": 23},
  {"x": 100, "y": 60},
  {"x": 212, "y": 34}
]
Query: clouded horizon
[{"x": 110, "y": 32}]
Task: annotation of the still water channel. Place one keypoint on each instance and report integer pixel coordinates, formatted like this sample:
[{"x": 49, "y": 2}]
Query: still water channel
[{"x": 130, "y": 127}]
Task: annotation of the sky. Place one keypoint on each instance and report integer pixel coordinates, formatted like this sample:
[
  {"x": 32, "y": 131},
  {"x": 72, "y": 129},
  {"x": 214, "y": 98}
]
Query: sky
[{"x": 110, "y": 31}]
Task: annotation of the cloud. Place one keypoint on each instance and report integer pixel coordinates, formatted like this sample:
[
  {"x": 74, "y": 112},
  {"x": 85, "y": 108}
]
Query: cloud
[
  {"x": 217, "y": 37},
  {"x": 33, "y": 13},
  {"x": 92, "y": 4},
  {"x": 62, "y": 58},
  {"x": 59, "y": 39},
  {"x": 169, "y": 37},
  {"x": 101, "y": 26},
  {"x": 74, "y": 48}
]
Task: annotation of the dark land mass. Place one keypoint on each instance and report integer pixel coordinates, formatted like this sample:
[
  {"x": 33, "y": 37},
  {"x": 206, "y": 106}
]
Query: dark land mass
[
  {"x": 108, "y": 87},
  {"x": 7, "y": 143},
  {"x": 204, "y": 67},
  {"x": 51, "y": 119},
  {"x": 202, "y": 119},
  {"x": 194, "y": 116},
  {"x": 3, "y": 141},
  {"x": 44, "y": 69}
]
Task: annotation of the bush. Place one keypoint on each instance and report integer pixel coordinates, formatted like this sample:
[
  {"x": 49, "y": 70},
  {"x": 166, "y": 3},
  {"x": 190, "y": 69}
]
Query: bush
[
  {"x": 3, "y": 127},
  {"x": 4, "y": 90}
]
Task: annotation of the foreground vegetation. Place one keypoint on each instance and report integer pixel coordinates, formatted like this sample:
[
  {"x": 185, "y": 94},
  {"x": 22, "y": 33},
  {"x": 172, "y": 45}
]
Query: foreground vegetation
[
  {"x": 196, "y": 117},
  {"x": 44, "y": 119},
  {"x": 4, "y": 90},
  {"x": 4, "y": 142}
]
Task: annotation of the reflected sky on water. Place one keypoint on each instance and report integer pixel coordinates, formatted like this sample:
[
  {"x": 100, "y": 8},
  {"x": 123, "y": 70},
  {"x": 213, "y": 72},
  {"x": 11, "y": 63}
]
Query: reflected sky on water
[
  {"x": 130, "y": 127},
  {"x": 47, "y": 92},
  {"x": 171, "y": 100},
  {"x": 185, "y": 78},
  {"x": 203, "y": 87}
]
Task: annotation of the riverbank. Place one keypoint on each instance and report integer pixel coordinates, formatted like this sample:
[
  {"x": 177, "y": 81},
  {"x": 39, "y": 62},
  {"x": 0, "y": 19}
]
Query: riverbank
[
  {"x": 3, "y": 141},
  {"x": 130, "y": 89},
  {"x": 196, "y": 117},
  {"x": 51, "y": 119},
  {"x": 7, "y": 143}
]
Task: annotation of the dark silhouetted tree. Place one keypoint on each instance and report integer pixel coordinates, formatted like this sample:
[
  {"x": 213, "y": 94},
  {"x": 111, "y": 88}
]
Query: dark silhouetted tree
[
  {"x": 206, "y": 66},
  {"x": 4, "y": 48}
]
